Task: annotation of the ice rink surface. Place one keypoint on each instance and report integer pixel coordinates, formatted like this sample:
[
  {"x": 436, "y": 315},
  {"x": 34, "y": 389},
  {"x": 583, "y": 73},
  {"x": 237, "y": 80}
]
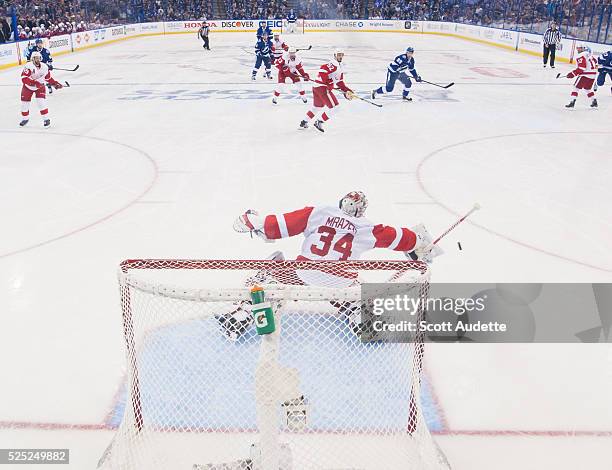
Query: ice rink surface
[{"x": 158, "y": 145}]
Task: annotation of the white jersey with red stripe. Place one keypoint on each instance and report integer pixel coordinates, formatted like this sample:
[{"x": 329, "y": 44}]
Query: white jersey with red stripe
[
  {"x": 331, "y": 234},
  {"x": 278, "y": 47},
  {"x": 586, "y": 65},
  {"x": 294, "y": 65},
  {"x": 32, "y": 75}
]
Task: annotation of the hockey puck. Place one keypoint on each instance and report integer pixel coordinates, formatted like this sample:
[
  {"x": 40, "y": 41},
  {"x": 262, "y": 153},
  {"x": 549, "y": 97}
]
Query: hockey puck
[{"x": 459, "y": 245}]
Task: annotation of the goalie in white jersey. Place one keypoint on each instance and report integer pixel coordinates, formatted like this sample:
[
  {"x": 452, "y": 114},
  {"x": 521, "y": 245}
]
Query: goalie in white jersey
[
  {"x": 338, "y": 233},
  {"x": 330, "y": 233}
]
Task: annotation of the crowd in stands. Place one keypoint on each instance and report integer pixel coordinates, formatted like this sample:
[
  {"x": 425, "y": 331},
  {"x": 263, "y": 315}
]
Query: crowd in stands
[
  {"x": 45, "y": 18},
  {"x": 169, "y": 10},
  {"x": 265, "y": 9},
  {"x": 342, "y": 9},
  {"x": 519, "y": 14}
]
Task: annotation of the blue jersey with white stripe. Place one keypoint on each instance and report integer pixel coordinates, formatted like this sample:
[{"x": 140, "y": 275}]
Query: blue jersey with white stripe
[
  {"x": 605, "y": 61},
  {"x": 46, "y": 55},
  {"x": 402, "y": 63},
  {"x": 263, "y": 48},
  {"x": 291, "y": 18}
]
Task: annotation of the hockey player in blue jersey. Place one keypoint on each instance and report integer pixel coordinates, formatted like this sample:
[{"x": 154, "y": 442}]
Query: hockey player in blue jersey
[
  {"x": 396, "y": 71},
  {"x": 264, "y": 28},
  {"x": 263, "y": 51},
  {"x": 605, "y": 68},
  {"x": 38, "y": 46},
  {"x": 291, "y": 22}
]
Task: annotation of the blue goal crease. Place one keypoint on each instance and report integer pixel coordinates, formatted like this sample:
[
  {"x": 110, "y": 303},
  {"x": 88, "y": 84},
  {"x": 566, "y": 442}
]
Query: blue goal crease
[{"x": 180, "y": 355}]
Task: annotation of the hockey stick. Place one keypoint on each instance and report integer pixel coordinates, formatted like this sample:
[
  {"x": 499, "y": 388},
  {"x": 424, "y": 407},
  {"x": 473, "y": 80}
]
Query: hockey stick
[
  {"x": 354, "y": 95},
  {"x": 452, "y": 227},
  {"x": 441, "y": 86},
  {"x": 368, "y": 101},
  {"x": 413, "y": 255},
  {"x": 303, "y": 48},
  {"x": 67, "y": 70}
]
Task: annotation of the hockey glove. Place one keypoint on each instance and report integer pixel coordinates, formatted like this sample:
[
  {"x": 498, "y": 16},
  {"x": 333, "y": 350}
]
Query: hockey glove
[
  {"x": 252, "y": 223},
  {"x": 423, "y": 249},
  {"x": 418, "y": 78},
  {"x": 349, "y": 95}
]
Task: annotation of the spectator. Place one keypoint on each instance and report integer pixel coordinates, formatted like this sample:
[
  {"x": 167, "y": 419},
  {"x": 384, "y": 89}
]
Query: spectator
[{"x": 5, "y": 31}]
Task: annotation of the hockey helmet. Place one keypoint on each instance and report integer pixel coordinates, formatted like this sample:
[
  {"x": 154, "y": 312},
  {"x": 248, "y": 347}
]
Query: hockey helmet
[
  {"x": 582, "y": 48},
  {"x": 38, "y": 41},
  {"x": 354, "y": 204},
  {"x": 36, "y": 55},
  {"x": 409, "y": 50},
  {"x": 292, "y": 50}
]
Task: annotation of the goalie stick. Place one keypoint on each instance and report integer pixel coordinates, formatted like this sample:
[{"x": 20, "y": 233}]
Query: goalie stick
[
  {"x": 452, "y": 227},
  {"x": 446, "y": 232},
  {"x": 67, "y": 70}
]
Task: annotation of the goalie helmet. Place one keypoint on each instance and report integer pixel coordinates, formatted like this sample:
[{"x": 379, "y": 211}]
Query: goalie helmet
[{"x": 354, "y": 204}]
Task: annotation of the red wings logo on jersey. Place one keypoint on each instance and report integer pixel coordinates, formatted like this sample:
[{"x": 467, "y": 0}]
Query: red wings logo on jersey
[{"x": 585, "y": 65}]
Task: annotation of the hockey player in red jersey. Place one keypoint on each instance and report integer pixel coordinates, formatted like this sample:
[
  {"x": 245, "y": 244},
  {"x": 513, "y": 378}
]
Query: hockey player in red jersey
[
  {"x": 290, "y": 67},
  {"x": 331, "y": 75},
  {"x": 34, "y": 76},
  {"x": 339, "y": 233},
  {"x": 585, "y": 71},
  {"x": 278, "y": 47}
]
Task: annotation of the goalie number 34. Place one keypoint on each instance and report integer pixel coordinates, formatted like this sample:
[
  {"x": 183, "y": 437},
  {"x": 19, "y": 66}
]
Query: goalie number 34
[{"x": 343, "y": 246}]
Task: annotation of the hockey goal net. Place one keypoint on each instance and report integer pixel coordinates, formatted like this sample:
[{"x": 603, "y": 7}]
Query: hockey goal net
[
  {"x": 293, "y": 28},
  {"x": 206, "y": 392}
]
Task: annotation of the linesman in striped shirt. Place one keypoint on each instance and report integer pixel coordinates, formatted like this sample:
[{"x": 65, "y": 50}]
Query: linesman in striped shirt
[{"x": 552, "y": 37}]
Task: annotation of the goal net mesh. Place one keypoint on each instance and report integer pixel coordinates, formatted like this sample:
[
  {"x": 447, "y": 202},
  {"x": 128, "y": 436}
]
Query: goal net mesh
[{"x": 205, "y": 391}]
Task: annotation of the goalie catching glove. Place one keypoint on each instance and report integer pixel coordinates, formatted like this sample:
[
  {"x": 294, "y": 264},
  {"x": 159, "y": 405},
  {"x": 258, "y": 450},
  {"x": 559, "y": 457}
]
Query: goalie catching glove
[
  {"x": 251, "y": 222},
  {"x": 423, "y": 249}
]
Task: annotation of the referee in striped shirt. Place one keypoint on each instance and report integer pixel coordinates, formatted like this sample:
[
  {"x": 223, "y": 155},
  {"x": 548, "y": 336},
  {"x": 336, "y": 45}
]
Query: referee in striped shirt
[{"x": 552, "y": 37}]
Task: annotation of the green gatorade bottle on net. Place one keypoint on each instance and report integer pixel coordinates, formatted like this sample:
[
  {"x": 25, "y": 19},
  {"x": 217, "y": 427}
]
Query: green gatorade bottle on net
[{"x": 262, "y": 312}]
